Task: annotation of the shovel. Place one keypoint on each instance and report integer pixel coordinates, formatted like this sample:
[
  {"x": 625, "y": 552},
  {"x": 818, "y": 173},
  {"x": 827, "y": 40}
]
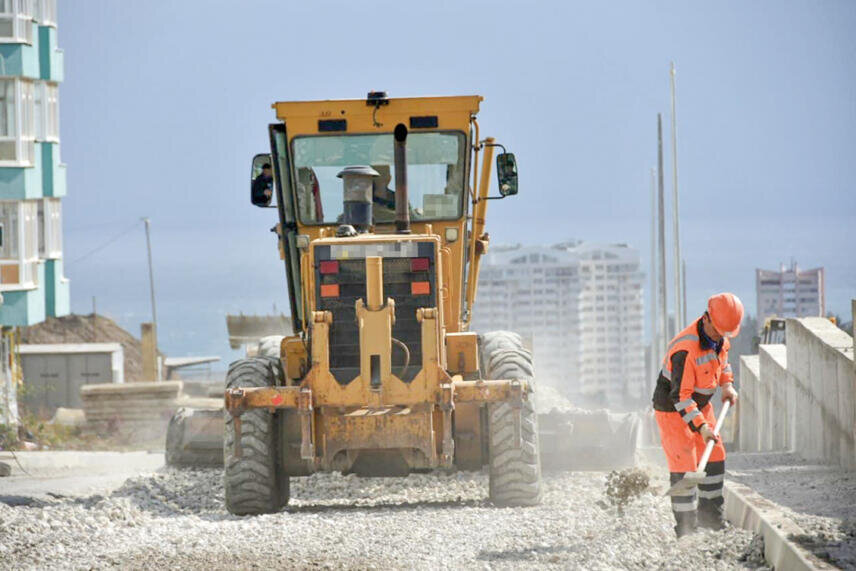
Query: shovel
[{"x": 691, "y": 479}]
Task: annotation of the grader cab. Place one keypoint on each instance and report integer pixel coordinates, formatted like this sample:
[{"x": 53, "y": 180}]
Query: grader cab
[{"x": 381, "y": 204}]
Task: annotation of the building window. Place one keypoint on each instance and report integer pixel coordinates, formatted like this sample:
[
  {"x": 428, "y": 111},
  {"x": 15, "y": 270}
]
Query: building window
[
  {"x": 16, "y": 22},
  {"x": 50, "y": 228},
  {"x": 44, "y": 12},
  {"x": 51, "y": 112},
  {"x": 17, "y": 122},
  {"x": 19, "y": 255}
]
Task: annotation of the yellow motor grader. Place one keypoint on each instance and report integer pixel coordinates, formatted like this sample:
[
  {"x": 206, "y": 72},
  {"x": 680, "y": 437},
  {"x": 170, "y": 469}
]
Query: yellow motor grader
[{"x": 381, "y": 205}]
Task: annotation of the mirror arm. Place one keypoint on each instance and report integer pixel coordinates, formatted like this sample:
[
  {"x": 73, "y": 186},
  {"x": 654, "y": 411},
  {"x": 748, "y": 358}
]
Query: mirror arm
[
  {"x": 486, "y": 144},
  {"x": 482, "y": 145}
]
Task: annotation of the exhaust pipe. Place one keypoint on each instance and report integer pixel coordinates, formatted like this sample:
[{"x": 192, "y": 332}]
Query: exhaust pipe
[{"x": 402, "y": 204}]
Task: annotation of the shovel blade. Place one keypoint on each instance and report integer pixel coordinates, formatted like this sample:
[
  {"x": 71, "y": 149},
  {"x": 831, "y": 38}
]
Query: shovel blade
[{"x": 685, "y": 484}]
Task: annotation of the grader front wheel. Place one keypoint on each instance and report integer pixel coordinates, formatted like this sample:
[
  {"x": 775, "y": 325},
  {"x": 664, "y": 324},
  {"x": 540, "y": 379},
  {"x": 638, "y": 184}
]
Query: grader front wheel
[
  {"x": 253, "y": 482},
  {"x": 515, "y": 465}
]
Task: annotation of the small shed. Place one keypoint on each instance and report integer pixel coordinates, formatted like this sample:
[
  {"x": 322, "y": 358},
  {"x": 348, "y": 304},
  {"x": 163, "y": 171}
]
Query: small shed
[{"x": 54, "y": 373}]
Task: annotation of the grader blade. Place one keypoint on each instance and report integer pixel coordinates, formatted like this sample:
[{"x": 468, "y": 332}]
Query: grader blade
[
  {"x": 588, "y": 439},
  {"x": 195, "y": 437}
]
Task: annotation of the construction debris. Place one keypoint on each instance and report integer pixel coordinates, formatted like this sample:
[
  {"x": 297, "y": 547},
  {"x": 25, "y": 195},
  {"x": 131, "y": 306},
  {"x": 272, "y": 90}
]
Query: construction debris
[{"x": 622, "y": 487}]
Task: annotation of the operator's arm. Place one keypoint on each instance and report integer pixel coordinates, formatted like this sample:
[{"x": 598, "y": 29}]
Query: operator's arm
[{"x": 683, "y": 385}]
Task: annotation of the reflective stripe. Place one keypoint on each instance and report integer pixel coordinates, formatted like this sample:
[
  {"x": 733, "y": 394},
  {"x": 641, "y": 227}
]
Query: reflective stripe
[
  {"x": 684, "y": 404},
  {"x": 727, "y": 368},
  {"x": 666, "y": 374},
  {"x": 684, "y": 338},
  {"x": 707, "y": 494},
  {"x": 706, "y": 358},
  {"x": 691, "y": 415},
  {"x": 713, "y": 479},
  {"x": 685, "y": 507},
  {"x": 702, "y": 391}
]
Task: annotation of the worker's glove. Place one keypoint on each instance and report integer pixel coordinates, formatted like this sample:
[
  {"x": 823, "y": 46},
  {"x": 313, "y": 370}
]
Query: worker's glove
[
  {"x": 729, "y": 394},
  {"x": 707, "y": 433}
]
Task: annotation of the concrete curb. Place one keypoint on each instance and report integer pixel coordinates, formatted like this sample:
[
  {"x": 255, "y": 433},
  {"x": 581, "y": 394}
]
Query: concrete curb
[{"x": 749, "y": 510}]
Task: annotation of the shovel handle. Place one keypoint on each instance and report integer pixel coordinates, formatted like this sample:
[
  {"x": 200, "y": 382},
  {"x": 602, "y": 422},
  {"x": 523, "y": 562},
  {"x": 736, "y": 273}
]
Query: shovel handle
[{"x": 709, "y": 448}]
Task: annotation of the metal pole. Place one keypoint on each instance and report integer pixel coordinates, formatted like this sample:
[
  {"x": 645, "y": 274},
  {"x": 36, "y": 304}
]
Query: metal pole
[
  {"x": 680, "y": 310},
  {"x": 652, "y": 266},
  {"x": 152, "y": 288},
  {"x": 661, "y": 240},
  {"x": 684, "y": 285}
]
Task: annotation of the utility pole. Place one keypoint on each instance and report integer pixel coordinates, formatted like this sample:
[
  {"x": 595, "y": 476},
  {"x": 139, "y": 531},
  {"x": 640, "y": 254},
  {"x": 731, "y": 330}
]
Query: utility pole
[
  {"x": 680, "y": 309},
  {"x": 652, "y": 267},
  {"x": 661, "y": 239},
  {"x": 152, "y": 288},
  {"x": 684, "y": 284}
]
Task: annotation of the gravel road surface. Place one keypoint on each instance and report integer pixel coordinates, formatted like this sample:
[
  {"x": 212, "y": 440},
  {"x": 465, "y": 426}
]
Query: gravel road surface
[{"x": 176, "y": 519}]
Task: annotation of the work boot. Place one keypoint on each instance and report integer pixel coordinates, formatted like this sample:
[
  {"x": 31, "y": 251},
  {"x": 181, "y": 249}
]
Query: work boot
[
  {"x": 710, "y": 498},
  {"x": 686, "y": 523},
  {"x": 710, "y": 515}
]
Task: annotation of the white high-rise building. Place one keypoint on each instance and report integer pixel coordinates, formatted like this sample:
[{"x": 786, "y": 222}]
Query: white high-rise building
[
  {"x": 789, "y": 292},
  {"x": 580, "y": 306}
]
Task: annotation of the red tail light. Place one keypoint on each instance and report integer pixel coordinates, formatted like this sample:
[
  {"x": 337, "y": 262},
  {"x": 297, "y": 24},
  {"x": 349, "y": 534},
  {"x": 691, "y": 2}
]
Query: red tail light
[
  {"x": 420, "y": 288},
  {"x": 330, "y": 290},
  {"x": 419, "y": 264},
  {"x": 329, "y": 267}
]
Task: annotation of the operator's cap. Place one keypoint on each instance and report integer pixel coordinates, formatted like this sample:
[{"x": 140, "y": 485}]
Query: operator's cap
[
  {"x": 726, "y": 313},
  {"x": 266, "y": 166}
]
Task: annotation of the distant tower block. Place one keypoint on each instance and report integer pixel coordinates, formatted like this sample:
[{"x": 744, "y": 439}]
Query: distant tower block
[{"x": 790, "y": 292}]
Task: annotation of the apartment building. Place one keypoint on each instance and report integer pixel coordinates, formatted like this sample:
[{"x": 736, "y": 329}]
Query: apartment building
[
  {"x": 790, "y": 292},
  {"x": 580, "y": 306},
  {"x": 32, "y": 177}
]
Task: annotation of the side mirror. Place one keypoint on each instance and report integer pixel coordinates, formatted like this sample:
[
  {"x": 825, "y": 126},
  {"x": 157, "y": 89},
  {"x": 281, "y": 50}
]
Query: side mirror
[
  {"x": 506, "y": 174},
  {"x": 261, "y": 181}
]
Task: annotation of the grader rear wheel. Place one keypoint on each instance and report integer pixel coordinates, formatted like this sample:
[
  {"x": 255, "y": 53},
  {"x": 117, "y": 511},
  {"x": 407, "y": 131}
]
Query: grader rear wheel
[
  {"x": 515, "y": 467},
  {"x": 253, "y": 482}
]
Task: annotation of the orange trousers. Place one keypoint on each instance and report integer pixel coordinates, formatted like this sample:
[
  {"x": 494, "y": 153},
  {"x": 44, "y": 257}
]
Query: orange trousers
[{"x": 682, "y": 446}]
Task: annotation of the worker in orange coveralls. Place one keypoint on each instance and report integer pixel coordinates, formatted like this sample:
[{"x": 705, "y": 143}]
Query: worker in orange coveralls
[{"x": 696, "y": 363}]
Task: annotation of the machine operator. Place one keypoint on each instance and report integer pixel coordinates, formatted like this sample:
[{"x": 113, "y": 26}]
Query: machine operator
[{"x": 263, "y": 186}]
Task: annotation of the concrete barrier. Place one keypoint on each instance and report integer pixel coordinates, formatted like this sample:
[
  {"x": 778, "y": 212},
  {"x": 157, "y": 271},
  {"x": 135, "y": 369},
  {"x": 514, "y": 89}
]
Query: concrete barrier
[
  {"x": 801, "y": 396},
  {"x": 821, "y": 368},
  {"x": 774, "y": 399},
  {"x": 748, "y": 432}
]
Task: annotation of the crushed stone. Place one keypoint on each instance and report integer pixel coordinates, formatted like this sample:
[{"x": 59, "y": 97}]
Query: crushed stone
[{"x": 176, "y": 518}]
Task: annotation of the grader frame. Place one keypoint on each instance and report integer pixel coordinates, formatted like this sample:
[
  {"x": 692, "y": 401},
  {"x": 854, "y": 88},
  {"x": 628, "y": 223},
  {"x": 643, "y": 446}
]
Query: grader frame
[{"x": 341, "y": 405}]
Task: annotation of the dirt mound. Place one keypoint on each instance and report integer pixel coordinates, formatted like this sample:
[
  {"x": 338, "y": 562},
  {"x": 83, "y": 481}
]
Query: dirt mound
[{"x": 89, "y": 329}]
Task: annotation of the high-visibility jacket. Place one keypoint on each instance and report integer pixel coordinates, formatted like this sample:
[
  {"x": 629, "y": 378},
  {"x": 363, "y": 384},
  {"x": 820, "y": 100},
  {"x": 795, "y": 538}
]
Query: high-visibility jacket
[{"x": 692, "y": 370}]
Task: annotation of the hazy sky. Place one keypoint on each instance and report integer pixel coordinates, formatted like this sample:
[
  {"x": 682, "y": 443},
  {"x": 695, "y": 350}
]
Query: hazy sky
[{"x": 165, "y": 102}]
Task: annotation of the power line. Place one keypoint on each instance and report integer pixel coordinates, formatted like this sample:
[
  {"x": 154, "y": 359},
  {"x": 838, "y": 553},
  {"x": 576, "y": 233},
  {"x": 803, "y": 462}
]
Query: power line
[{"x": 105, "y": 244}]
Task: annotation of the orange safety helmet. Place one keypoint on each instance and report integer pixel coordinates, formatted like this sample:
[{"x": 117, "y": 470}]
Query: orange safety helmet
[{"x": 726, "y": 313}]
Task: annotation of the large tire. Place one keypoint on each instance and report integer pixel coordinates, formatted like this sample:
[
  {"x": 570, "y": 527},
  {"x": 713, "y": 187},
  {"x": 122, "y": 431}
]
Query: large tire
[
  {"x": 515, "y": 470},
  {"x": 253, "y": 482}
]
